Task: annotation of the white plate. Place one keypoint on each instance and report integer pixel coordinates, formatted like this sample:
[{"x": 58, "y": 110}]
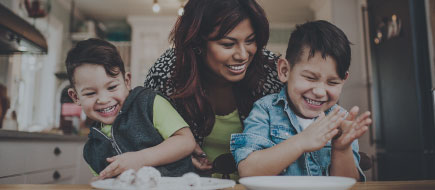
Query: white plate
[
  {"x": 170, "y": 183},
  {"x": 297, "y": 182}
]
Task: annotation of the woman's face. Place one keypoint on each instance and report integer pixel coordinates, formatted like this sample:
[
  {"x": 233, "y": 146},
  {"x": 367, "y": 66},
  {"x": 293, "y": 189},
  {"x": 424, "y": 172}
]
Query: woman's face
[{"x": 230, "y": 56}]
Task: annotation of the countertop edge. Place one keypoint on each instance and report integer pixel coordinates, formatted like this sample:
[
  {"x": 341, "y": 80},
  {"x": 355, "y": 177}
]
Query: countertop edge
[{"x": 20, "y": 135}]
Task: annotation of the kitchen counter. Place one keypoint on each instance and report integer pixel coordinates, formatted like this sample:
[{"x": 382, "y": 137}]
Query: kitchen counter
[
  {"x": 20, "y": 135},
  {"x": 45, "y": 187},
  {"x": 371, "y": 185},
  {"x": 69, "y": 187}
]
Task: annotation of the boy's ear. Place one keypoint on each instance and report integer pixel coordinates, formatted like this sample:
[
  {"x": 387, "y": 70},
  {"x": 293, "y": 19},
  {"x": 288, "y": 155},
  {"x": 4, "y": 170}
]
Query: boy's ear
[
  {"x": 283, "y": 68},
  {"x": 73, "y": 95},
  {"x": 127, "y": 80}
]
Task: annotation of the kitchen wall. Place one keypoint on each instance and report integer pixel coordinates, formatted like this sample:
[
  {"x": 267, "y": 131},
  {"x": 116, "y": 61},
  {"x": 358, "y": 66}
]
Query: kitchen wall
[
  {"x": 40, "y": 158},
  {"x": 38, "y": 104}
]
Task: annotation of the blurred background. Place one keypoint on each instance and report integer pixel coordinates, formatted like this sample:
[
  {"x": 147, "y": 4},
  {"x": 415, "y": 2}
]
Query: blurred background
[{"x": 392, "y": 75}]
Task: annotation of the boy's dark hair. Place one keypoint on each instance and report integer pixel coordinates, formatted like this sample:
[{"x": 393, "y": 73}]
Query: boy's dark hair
[
  {"x": 323, "y": 37},
  {"x": 94, "y": 51}
]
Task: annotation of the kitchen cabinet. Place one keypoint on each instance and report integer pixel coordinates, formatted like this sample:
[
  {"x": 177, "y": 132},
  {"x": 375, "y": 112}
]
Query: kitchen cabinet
[
  {"x": 20, "y": 179},
  {"x": 33, "y": 158},
  {"x": 403, "y": 101}
]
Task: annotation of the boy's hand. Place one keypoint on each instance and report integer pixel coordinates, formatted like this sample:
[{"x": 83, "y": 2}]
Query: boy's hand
[
  {"x": 316, "y": 135},
  {"x": 352, "y": 129},
  {"x": 96, "y": 178},
  {"x": 120, "y": 163}
]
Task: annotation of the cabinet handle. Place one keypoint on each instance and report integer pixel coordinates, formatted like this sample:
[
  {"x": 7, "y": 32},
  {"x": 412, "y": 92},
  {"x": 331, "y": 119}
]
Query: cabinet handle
[
  {"x": 56, "y": 175},
  {"x": 57, "y": 151}
]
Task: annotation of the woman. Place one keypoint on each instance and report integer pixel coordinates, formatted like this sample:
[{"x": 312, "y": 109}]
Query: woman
[{"x": 216, "y": 71}]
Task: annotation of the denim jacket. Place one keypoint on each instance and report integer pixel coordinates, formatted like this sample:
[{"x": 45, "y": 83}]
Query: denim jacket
[{"x": 271, "y": 122}]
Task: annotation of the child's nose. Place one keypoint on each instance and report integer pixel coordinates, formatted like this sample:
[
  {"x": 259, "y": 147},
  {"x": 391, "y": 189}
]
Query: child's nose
[
  {"x": 319, "y": 91},
  {"x": 102, "y": 100}
]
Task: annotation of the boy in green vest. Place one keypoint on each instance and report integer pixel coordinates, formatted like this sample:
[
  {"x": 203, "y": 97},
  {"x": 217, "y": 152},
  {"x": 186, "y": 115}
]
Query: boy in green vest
[{"x": 134, "y": 128}]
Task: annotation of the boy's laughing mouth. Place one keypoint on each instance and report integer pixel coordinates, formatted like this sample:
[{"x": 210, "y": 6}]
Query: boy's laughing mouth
[
  {"x": 108, "y": 110},
  {"x": 314, "y": 102}
]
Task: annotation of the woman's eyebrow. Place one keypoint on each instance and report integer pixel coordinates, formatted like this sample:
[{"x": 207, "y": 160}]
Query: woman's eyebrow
[
  {"x": 250, "y": 35},
  {"x": 229, "y": 38},
  {"x": 234, "y": 39}
]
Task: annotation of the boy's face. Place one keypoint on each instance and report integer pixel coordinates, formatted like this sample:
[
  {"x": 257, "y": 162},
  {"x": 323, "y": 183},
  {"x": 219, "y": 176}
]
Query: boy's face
[
  {"x": 313, "y": 85},
  {"x": 100, "y": 95}
]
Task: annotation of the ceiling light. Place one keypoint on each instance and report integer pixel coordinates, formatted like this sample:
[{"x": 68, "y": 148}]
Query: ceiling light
[
  {"x": 22, "y": 48},
  {"x": 156, "y": 7},
  {"x": 180, "y": 11}
]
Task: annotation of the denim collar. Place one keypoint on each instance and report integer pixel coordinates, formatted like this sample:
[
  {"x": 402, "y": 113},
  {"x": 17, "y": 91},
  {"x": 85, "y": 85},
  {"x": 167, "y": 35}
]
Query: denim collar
[
  {"x": 282, "y": 100},
  {"x": 282, "y": 97}
]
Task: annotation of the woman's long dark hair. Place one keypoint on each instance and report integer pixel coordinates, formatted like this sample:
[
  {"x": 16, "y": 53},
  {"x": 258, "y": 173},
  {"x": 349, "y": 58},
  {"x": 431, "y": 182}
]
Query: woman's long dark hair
[{"x": 190, "y": 35}]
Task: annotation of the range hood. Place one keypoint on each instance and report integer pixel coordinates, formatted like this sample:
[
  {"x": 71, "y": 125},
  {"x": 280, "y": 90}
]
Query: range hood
[{"x": 18, "y": 36}]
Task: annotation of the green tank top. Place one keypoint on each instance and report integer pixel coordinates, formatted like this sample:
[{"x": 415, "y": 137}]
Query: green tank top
[{"x": 218, "y": 142}]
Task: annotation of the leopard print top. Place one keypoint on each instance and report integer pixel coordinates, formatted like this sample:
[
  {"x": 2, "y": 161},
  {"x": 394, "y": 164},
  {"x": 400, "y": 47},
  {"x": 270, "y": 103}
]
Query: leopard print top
[{"x": 159, "y": 76}]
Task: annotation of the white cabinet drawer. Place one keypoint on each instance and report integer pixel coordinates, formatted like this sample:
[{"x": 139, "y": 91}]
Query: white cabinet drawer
[
  {"x": 24, "y": 157},
  {"x": 45, "y": 155},
  {"x": 20, "y": 179},
  {"x": 13, "y": 157},
  {"x": 61, "y": 176}
]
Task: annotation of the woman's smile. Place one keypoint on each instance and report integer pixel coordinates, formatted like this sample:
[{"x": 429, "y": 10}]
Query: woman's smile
[{"x": 237, "y": 69}]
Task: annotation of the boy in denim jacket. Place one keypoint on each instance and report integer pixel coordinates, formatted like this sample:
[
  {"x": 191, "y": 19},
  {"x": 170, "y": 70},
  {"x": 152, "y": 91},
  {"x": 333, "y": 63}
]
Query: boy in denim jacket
[{"x": 301, "y": 130}]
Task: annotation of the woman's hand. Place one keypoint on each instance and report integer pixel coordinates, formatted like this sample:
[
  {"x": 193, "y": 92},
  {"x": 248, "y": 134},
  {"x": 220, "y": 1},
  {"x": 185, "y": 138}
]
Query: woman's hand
[
  {"x": 120, "y": 163},
  {"x": 316, "y": 135},
  {"x": 200, "y": 161},
  {"x": 352, "y": 129}
]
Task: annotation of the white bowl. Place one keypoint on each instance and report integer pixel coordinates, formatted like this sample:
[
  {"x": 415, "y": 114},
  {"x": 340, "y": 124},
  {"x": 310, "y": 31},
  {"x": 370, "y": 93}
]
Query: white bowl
[{"x": 297, "y": 183}]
